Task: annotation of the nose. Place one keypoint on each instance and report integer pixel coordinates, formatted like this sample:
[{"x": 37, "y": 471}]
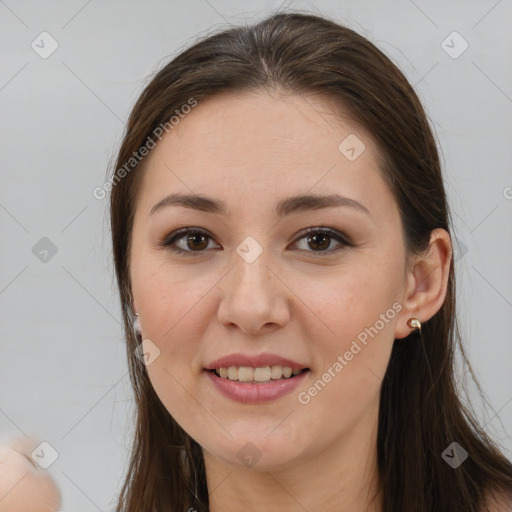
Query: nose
[{"x": 254, "y": 298}]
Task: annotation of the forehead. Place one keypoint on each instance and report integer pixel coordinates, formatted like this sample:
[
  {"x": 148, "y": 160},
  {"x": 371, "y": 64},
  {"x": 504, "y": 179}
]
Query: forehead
[
  {"x": 260, "y": 146},
  {"x": 264, "y": 125}
]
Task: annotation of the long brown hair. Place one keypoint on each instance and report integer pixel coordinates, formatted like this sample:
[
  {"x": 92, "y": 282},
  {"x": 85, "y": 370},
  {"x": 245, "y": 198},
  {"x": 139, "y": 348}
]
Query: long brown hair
[{"x": 421, "y": 410}]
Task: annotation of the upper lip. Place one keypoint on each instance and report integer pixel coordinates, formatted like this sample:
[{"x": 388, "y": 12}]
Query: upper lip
[{"x": 255, "y": 361}]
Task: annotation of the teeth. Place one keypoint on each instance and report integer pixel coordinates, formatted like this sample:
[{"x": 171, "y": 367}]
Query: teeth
[
  {"x": 262, "y": 374},
  {"x": 245, "y": 374},
  {"x": 276, "y": 372},
  {"x": 287, "y": 372}
]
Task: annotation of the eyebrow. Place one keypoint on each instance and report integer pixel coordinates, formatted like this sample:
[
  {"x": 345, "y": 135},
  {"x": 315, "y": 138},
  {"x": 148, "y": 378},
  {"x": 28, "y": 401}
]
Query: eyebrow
[{"x": 283, "y": 208}]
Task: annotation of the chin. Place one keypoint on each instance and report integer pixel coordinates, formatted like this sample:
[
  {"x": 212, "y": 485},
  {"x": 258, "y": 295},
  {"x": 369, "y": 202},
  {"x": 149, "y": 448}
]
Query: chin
[{"x": 258, "y": 454}]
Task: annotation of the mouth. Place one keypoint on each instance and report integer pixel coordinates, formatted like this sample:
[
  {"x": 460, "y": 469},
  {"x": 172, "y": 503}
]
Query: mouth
[
  {"x": 256, "y": 386},
  {"x": 259, "y": 375}
]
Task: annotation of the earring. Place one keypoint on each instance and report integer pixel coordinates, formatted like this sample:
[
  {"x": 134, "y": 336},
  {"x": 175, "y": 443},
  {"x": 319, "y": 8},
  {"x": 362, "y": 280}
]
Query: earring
[
  {"x": 136, "y": 324},
  {"x": 414, "y": 323}
]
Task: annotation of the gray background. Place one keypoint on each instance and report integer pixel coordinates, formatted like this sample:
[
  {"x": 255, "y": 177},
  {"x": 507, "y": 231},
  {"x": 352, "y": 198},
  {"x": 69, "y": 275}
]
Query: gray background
[{"x": 63, "y": 374}]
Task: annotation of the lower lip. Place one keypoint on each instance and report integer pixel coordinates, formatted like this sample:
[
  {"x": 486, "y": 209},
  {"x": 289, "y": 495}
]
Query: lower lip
[{"x": 256, "y": 393}]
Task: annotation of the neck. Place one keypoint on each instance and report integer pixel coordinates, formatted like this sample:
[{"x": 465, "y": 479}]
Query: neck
[{"x": 343, "y": 477}]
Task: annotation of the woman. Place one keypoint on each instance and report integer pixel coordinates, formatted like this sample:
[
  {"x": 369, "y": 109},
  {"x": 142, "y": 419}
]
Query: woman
[
  {"x": 281, "y": 240},
  {"x": 282, "y": 246}
]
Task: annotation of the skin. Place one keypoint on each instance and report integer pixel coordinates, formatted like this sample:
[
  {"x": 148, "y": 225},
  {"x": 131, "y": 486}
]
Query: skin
[
  {"x": 294, "y": 300},
  {"x": 24, "y": 486}
]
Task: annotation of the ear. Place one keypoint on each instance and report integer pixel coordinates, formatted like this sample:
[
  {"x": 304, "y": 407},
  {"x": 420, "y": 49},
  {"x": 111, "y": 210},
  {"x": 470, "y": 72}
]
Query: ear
[{"x": 427, "y": 282}]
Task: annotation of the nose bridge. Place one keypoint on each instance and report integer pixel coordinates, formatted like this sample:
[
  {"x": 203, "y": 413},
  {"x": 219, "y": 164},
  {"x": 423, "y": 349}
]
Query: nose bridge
[
  {"x": 252, "y": 273},
  {"x": 252, "y": 259},
  {"x": 253, "y": 296}
]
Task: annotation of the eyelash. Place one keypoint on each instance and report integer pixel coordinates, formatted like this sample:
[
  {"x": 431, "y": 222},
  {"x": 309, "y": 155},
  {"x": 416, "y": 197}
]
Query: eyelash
[{"x": 170, "y": 240}]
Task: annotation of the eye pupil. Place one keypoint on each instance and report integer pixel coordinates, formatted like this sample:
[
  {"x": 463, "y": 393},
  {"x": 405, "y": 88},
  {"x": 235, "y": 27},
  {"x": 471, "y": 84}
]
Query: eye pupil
[
  {"x": 194, "y": 238},
  {"x": 321, "y": 235}
]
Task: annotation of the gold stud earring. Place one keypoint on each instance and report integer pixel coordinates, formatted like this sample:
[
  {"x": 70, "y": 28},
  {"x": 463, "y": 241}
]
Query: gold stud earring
[{"x": 414, "y": 323}]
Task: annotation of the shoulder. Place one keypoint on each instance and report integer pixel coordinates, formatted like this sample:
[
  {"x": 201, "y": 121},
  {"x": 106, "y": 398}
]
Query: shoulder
[{"x": 21, "y": 481}]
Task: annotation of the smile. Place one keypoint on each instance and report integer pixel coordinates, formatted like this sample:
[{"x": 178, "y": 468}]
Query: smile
[
  {"x": 261, "y": 374},
  {"x": 256, "y": 385}
]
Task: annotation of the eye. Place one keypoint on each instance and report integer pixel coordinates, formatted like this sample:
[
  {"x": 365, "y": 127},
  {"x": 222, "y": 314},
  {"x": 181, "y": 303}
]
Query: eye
[
  {"x": 195, "y": 240},
  {"x": 320, "y": 238},
  {"x": 195, "y": 237}
]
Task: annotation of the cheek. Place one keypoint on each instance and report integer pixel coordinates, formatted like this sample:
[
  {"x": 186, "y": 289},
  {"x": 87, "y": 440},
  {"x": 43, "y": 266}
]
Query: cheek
[
  {"x": 167, "y": 297},
  {"x": 351, "y": 327},
  {"x": 340, "y": 304},
  {"x": 175, "y": 309}
]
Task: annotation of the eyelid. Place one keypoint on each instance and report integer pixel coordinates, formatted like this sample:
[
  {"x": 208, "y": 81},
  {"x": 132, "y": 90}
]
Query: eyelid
[{"x": 338, "y": 236}]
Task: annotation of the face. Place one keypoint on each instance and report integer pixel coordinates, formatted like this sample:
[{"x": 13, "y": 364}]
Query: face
[{"x": 250, "y": 281}]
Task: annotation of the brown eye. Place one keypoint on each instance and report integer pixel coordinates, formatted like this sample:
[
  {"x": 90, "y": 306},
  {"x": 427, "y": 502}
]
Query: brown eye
[
  {"x": 319, "y": 240},
  {"x": 195, "y": 240}
]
